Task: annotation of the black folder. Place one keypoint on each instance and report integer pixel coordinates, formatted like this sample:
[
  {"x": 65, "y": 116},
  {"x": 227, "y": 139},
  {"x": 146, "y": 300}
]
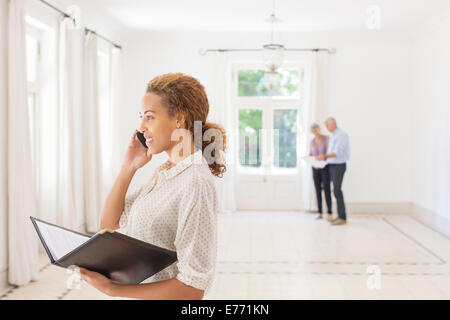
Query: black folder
[{"x": 123, "y": 259}]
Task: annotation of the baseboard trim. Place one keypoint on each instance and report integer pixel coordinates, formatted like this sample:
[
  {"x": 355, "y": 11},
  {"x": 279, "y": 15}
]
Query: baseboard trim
[
  {"x": 354, "y": 208},
  {"x": 373, "y": 207},
  {"x": 377, "y": 207},
  {"x": 432, "y": 220}
]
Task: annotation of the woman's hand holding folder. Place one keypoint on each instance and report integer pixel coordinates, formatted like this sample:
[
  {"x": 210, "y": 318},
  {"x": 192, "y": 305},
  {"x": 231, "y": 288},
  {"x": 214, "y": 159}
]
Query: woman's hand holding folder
[{"x": 97, "y": 280}]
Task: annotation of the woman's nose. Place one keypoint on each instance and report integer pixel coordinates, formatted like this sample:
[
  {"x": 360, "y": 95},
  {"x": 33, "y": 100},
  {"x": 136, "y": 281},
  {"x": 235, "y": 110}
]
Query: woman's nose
[{"x": 141, "y": 127}]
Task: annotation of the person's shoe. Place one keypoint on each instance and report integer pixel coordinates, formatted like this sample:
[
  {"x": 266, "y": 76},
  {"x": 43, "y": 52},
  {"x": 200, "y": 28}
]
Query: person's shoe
[
  {"x": 329, "y": 217},
  {"x": 338, "y": 222},
  {"x": 319, "y": 216}
]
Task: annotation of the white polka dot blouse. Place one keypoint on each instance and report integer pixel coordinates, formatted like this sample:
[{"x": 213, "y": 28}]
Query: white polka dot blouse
[{"x": 177, "y": 210}]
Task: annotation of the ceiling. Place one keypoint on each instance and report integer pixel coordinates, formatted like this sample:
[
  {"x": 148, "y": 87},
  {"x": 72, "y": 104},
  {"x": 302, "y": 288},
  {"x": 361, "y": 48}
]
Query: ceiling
[{"x": 250, "y": 15}]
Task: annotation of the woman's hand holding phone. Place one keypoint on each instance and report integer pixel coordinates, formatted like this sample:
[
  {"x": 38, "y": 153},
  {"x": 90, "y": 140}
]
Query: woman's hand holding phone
[{"x": 136, "y": 155}]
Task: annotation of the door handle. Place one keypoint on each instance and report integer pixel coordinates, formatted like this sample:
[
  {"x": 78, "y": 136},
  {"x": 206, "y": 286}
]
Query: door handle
[{"x": 265, "y": 179}]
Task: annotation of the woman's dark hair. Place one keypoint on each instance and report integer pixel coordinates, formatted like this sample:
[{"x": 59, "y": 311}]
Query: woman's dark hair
[{"x": 184, "y": 94}]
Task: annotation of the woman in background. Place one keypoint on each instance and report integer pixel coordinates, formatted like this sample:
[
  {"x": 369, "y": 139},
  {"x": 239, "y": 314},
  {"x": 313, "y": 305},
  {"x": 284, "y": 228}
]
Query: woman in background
[{"x": 319, "y": 146}]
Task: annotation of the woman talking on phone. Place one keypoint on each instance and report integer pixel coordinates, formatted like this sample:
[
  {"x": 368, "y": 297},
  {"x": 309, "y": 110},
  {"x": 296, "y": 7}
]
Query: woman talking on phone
[{"x": 177, "y": 208}]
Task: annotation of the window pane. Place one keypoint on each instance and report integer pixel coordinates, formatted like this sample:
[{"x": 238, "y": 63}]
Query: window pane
[
  {"x": 250, "y": 124},
  {"x": 31, "y": 117},
  {"x": 105, "y": 110},
  {"x": 32, "y": 58},
  {"x": 258, "y": 83},
  {"x": 285, "y": 125}
]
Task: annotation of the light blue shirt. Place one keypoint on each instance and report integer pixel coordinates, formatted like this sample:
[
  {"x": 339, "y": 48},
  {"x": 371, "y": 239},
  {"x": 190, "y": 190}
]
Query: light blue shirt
[{"x": 340, "y": 146}]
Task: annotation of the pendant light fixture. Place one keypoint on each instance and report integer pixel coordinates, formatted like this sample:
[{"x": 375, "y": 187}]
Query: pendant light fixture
[{"x": 273, "y": 53}]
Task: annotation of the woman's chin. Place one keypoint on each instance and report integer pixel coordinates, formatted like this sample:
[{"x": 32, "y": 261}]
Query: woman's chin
[{"x": 152, "y": 150}]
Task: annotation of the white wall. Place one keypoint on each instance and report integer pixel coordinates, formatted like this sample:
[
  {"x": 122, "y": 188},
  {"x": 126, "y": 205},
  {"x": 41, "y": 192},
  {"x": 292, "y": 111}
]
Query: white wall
[
  {"x": 369, "y": 96},
  {"x": 3, "y": 144},
  {"x": 431, "y": 122}
]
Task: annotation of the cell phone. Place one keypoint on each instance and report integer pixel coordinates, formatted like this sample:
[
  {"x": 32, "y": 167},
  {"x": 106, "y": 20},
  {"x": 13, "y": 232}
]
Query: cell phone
[{"x": 141, "y": 138}]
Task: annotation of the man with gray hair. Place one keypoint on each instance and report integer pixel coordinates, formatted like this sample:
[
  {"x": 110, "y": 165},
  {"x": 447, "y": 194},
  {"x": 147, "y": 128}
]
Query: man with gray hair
[{"x": 338, "y": 153}]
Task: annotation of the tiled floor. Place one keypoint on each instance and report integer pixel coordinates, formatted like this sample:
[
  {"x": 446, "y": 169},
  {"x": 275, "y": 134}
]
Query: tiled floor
[{"x": 289, "y": 255}]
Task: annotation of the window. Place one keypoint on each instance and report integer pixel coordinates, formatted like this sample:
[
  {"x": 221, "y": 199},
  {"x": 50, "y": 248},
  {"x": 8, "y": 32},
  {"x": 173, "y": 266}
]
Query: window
[
  {"x": 253, "y": 83},
  {"x": 285, "y": 151},
  {"x": 250, "y": 125},
  {"x": 105, "y": 107},
  {"x": 40, "y": 54},
  {"x": 267, "y": 108},
  {"x": 33, "y": 53}
]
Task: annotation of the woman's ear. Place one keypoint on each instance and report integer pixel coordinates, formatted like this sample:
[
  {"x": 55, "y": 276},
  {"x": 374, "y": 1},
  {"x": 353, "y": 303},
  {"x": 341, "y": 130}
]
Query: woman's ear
[{"x": 180, "y": 120}]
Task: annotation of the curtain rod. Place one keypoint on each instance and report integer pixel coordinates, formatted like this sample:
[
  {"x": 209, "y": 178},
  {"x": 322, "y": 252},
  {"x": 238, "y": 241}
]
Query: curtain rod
[
  {"x": 56, "y": 9},
  {"x": 205, "y": 51},
  {"x": 85, "y": 29}
]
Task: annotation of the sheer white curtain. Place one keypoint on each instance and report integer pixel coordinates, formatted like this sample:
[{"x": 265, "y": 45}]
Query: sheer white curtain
[
  {"x": 65, "y": 148},
  {"x": 315, "y": 106},
  {"x": 92, "y": 155},
  {"x": 115, "y": 98},
  {"x": 109, "y": 95},
  {"x": 22, "y": 200},
  {"x": 221, "y": 112}
]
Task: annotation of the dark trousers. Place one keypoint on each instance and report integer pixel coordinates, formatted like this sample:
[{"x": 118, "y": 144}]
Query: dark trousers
[
  {"x": 322, "y": 181},
  {"x": 337, "y": 175}
]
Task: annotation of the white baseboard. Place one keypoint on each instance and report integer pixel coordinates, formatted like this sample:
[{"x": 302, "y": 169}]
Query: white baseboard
[
  {"x": 431, "y": 219},
  {"x": 377, "y": 207},
  {"x": 374, "y": 207},
  {"x": 355, "y": 208}
]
